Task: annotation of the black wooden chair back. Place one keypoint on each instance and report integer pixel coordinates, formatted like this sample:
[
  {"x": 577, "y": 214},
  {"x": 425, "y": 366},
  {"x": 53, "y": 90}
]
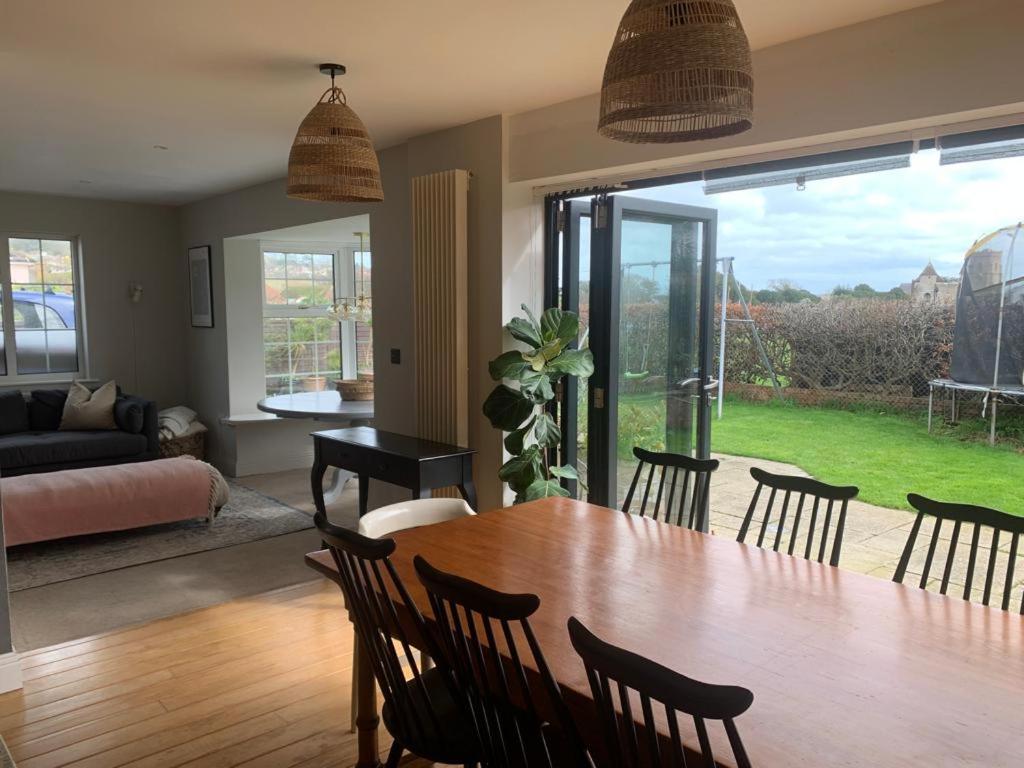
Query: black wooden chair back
[
  {"x": 684, "y": 483},
  {"x": 978, "y": 520},
  {"x": 816, "y": 503},
  {"x": 486, "y": 637},
  {"x": 375, "y": 597},
  {"x": 622, "y": 682}
]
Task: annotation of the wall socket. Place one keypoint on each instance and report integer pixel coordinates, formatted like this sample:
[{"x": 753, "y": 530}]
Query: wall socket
[{"x": 396, "y": 356}]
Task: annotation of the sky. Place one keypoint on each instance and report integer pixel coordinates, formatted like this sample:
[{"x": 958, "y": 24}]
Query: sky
[{"x": 879, "y": 228}]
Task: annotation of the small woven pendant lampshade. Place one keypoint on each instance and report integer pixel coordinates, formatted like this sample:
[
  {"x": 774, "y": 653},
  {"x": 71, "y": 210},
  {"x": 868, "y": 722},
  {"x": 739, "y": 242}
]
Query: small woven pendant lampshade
[
  {"x": 678, "y": 70},
  {"x": 332, "y": 157}
]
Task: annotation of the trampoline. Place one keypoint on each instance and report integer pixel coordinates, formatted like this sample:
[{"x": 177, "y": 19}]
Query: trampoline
[{"x": 988, "y": 337}]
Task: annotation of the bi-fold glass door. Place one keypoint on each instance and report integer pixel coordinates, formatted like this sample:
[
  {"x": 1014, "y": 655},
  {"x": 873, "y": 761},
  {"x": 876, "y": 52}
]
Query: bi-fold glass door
[{"x": 641, "y": 274}]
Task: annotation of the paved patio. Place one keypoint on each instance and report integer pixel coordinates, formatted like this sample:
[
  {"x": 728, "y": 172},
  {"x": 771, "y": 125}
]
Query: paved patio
[{"x": 874, "y": 536}]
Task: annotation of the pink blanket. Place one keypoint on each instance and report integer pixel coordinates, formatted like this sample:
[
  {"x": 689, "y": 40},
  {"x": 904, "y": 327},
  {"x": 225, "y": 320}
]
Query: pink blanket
[{"x": 72, "y": 502}]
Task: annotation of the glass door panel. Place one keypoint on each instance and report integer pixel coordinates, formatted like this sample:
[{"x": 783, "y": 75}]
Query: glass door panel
[{"x": 653, "y": 287}]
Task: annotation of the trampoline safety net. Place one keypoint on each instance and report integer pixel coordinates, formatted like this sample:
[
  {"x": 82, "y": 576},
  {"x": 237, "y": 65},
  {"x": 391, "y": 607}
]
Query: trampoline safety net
[{"x": 988, "y": 338}]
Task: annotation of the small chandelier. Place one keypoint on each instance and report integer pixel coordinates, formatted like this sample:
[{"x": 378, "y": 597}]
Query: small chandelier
[
  {"x": 332, "y": 157},
  {"x": 677, "y": 71},
  {"x": 358, "y": 308}
]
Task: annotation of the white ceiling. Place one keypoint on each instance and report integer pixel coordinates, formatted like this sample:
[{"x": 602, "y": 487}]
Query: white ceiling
[{"x": 90, "y": 86}]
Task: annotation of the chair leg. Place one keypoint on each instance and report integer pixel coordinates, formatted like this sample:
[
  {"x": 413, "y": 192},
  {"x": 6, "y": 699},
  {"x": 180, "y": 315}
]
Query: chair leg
[
  {"x": 355, "y": 686},
  {"x": 394, "y": 756}
]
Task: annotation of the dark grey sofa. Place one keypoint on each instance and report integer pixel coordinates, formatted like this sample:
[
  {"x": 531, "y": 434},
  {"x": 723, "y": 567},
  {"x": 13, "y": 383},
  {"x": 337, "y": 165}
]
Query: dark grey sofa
[{"x": 31, "y": 441}]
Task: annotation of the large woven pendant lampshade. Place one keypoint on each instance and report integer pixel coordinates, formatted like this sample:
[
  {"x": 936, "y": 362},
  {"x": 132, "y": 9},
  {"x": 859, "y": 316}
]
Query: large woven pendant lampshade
[
  {"x": 332, "y": 157},
  {"x": 678, "y": 70}
]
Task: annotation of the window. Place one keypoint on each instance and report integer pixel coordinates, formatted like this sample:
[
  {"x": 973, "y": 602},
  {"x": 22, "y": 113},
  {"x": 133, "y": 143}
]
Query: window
[
  {"x": 40, "y": 309},
  {"x": 304, "y": 350}
]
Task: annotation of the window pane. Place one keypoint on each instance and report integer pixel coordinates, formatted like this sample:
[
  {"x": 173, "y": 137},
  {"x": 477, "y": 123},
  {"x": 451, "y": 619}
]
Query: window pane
[
  {"x": 300, "y": 266},
  {"x": 274, "y": 291},
  {"x": 42, "y": 287},
  {"x": 278, "y": 385},
  {"x": 299, "y": 292},
  {"x": 273, "y": 264},
  {"x": 323, "y": 266},
  {"x": 57, "y": 265},
  {"x": 25, "y": 261},
  {"x": 323, "y": 293}
]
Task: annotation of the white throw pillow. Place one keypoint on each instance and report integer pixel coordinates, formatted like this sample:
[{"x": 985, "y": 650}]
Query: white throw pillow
[{"x": 89, "y": 410}]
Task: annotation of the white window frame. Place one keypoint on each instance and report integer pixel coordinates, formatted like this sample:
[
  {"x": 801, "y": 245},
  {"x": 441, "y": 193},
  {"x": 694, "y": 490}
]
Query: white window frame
[
  {"x": 12, "y": 377},
  {"x": 344, "y": 285}
]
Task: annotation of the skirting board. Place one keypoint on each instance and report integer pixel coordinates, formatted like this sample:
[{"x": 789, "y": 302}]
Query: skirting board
[{"x": 10, "y": 672}]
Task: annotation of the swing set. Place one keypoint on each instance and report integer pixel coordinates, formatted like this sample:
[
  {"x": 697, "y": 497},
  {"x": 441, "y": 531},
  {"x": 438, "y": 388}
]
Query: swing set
[{"x": 643, "y": 371}]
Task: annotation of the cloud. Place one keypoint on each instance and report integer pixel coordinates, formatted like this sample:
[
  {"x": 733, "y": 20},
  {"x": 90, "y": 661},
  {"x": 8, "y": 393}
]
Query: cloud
[{"x": 879, "y": 228}]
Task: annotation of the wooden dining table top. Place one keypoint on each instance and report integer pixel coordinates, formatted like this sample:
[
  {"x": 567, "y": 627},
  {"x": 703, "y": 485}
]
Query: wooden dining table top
[{"x": 846, "y": 669}]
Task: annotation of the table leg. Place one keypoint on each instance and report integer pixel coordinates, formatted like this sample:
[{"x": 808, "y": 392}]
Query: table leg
[
  {"x": 468, "y": 491},
  {"x": 366, "y": 718},
  {"x": 364, "y": 493},
  {"x": 316, "y": 483},
  {"x": 339, "y": 478}
]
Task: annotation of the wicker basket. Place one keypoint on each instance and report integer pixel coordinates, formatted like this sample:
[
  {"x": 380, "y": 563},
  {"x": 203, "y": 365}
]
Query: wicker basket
[
  {"x": 355, "y": 389},
  {"x": 187, "y": 445}
]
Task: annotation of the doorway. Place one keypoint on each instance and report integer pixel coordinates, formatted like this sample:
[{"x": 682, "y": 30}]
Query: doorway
[{"x": 641, "y": 275}]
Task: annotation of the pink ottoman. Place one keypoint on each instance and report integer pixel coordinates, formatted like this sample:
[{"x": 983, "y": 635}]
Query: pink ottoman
[{"x": 73, "y": 502}]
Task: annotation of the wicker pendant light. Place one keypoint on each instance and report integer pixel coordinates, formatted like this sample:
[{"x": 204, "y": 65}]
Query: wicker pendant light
[
  {"x": 332, "y": 157},
  {"x": 678, "y": 70}
]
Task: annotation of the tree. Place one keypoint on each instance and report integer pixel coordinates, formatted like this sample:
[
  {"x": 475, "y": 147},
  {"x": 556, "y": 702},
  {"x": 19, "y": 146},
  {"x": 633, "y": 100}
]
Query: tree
[{"x": 783, "y": 292}]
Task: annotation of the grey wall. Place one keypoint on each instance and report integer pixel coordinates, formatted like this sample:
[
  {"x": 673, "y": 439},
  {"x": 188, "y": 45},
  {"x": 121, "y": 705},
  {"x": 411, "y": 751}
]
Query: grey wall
[
  {"x": 121, "y": 243},
  {"x": 476, "y": 147}
]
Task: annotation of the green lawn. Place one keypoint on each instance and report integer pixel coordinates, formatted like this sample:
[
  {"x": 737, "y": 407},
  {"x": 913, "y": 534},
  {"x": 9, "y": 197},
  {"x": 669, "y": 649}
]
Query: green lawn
[{"x": 886, "y": 455}]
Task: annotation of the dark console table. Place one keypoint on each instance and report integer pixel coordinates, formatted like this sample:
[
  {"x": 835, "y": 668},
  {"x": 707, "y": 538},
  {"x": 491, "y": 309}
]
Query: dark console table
[{"x": 409, "y": 462}]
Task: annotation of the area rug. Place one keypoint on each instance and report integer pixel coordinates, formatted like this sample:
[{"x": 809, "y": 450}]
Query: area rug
[{"x": 248, "y": 516}]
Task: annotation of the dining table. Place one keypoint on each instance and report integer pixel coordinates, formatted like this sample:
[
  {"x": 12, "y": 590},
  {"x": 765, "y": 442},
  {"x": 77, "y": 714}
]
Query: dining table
[{"x": 846, "y": 669}]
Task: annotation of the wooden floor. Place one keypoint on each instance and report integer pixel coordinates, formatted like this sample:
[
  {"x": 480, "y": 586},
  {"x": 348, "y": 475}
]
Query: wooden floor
[{"x": 263, "y": 681}]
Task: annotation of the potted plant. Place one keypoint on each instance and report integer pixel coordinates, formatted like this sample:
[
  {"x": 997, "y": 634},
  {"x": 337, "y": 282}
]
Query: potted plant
[{"x": 521, "y": 410}]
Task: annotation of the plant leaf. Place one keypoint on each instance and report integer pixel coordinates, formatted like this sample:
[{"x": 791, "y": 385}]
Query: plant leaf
[
  {"x": 542, "y": 489},
  {"x": 537, "y": 386},
  {"x": 546, "y": 431},
  {"x": 526, "y": 330},
  {"x": 520, "y": 472},
  {"x": 556, "y": 324},
  {"x": 514, "y": 440},
  {"x": 507, "y": 408},
  {"x": 575, "y": 362},
  {"x": 508, "y": 365},
  {"x": 568, "y": 471}
]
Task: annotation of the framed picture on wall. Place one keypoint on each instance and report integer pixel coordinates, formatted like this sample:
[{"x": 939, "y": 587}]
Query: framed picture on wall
[{"x": 200, "y": 276}]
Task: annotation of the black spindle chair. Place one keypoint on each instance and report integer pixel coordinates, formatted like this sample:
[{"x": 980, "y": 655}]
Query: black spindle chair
[
  {"x": 977, "y": 519},
  {"x": 689, "y": 477},
  {"x": 520, "y": 715},
  {"x": 615, "y": 673},
  {"x": 822, "y": 499},
  {"x": 424, "y": 714}
]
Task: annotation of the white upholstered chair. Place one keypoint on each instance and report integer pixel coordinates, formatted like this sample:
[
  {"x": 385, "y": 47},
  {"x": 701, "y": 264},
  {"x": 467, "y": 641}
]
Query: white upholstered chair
[{"x": 392, "y": 518}]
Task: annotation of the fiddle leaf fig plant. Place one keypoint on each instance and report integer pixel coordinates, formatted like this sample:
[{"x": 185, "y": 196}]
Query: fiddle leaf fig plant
[{"x": 520, "y": 410}]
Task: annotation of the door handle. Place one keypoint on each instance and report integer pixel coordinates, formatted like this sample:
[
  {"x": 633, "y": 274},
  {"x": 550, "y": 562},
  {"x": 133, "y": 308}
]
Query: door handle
[
  {"x": 711, "y": 386},
  {"x": 687, "y": 382}
]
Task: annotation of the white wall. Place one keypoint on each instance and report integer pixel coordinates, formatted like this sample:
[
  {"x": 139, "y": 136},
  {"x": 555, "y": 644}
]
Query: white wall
[
  {"x": 122, "y": 243},
  {"x": 956, "y": 58}
]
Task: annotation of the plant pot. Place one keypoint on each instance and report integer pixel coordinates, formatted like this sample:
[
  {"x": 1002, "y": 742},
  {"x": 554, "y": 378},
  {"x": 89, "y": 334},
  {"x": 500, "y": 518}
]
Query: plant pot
[{"x": 314, "y": 384}]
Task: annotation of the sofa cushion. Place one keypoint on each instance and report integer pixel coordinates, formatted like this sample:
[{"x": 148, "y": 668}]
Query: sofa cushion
[
  {"x": 89, "y": 409},
  {"x": 45, "y": 409},
  {"x": 40, "y": 448},
  {"x": 13, "y": 413},
  {"x": 130, "y": 414}
]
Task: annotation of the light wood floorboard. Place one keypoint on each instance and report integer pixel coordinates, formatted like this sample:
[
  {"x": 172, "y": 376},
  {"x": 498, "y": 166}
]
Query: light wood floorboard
[{"x": 262, "y": 682}]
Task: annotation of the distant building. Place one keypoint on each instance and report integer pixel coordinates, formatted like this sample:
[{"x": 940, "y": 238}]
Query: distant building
[{"x": 930, "y": 286}]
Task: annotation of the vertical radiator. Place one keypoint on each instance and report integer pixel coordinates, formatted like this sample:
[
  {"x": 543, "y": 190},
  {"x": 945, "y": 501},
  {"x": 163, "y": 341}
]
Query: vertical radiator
[{"x": 440, "y": 291}]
